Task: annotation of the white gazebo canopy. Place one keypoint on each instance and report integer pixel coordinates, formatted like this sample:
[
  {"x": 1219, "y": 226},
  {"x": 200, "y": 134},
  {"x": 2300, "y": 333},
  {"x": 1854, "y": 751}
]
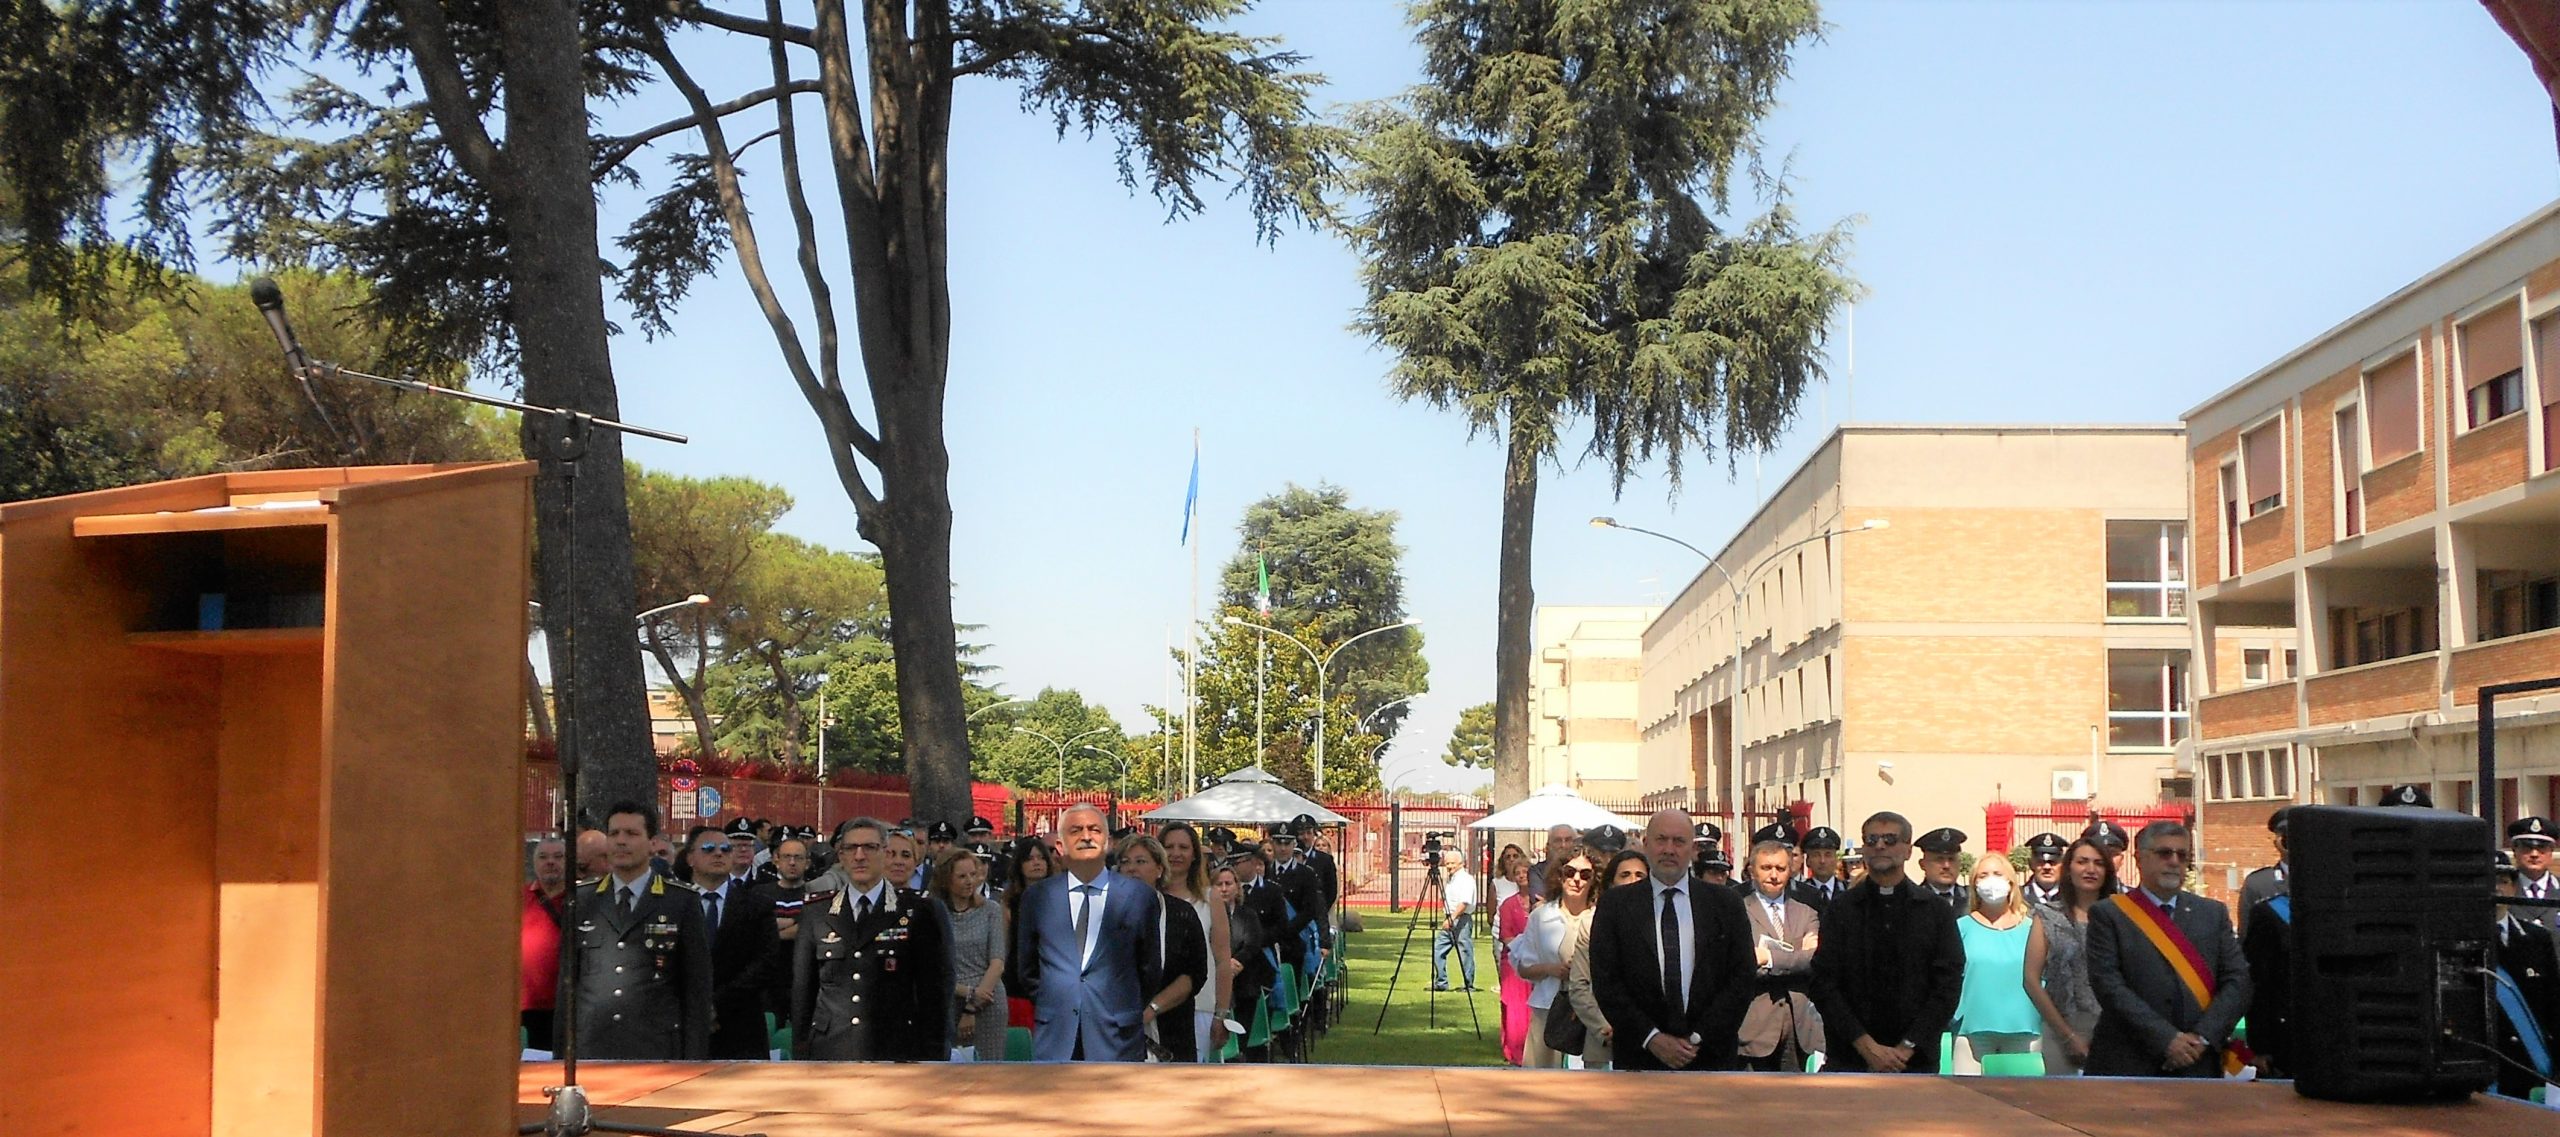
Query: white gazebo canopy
[
  {"x": 1551, "y": 806},
  {"x": 1250, "y": 796}
]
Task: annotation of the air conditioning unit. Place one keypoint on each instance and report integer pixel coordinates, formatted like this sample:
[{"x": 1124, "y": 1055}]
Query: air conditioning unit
[{"x": 2071, "y": 785}]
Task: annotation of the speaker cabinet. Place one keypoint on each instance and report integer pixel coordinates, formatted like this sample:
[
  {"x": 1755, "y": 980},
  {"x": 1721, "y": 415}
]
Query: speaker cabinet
[{"x": 2389, "y": 950}]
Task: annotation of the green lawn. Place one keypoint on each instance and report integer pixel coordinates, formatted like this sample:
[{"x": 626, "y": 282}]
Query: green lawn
[{"x": 1409, "y": 1038}]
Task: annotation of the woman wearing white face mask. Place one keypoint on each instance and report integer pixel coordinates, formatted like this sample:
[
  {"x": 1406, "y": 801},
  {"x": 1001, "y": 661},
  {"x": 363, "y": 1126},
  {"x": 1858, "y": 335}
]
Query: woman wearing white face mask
[{"x": 1994, "y": 1015}]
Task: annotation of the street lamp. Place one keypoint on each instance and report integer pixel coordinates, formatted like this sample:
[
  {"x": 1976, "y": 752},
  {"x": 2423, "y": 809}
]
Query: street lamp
[
  {"x": 1062, "y": 747},
  {"x": 697, "y": 600},
  {"x": 1123, "y": 760},
  {"x": 1320, "y": 661},
  {"x": 1734, "y": 616},
  {"x": 973, "y": 715}
]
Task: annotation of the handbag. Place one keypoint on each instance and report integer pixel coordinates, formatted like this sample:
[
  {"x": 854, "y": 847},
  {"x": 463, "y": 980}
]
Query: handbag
[{"x": 1564, "y": 1033}]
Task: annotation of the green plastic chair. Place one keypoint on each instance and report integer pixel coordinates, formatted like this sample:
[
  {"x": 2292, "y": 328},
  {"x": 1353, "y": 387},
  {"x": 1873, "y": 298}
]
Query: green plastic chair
[
  {"x": 1257, "y": 1031},
  {"x": 1017, "y": 1044},
  {"x": 1946, "y": 1053},
  {"x": 2013, "y": 1065}
]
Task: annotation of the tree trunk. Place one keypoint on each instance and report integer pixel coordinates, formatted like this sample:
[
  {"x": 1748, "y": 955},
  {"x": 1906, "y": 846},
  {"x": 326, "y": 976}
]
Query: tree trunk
[
  {"x": 912, "y": 529},
  {"x": 1515, "y": 604},
  {"x": 786, "y": 704},
  {"x": 545, "y": 197},
  {"x": 691, "y": 692}
]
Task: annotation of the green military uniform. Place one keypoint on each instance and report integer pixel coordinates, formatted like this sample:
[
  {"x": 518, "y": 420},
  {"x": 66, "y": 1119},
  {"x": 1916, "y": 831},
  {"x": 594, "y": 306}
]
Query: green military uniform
[{"x": 644, "y": 975}]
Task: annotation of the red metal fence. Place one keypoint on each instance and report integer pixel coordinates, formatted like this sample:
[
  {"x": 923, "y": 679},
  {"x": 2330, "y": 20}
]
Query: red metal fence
[
  {"x": 2006, "y": 826},
  {"x": 789, "y": 803}
]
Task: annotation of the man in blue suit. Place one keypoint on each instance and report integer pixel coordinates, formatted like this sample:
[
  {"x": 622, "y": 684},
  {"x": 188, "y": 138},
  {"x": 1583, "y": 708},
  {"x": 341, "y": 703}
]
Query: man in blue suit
[{"x": 1091, "y": 949}]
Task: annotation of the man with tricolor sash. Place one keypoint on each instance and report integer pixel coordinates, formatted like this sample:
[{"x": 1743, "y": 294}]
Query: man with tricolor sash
[{"x": 2167, "y": 969}]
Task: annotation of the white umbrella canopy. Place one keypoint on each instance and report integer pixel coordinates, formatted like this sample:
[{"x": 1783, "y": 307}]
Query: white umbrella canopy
[
  {"x": 1250, "y": 796},
  {"x": 1551, "y": 806}
]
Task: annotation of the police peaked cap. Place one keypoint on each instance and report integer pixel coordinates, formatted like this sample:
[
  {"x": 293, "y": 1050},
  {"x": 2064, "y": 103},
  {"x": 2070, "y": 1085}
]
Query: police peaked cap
[
  {"x": 1777, "y": 831},
  {"x": 1303, "y": 824},
  {"x": 1709, "y": 831},
  {"x": 1941, "y": 841},
  {"x": 740, "y": 828},
  {"x": 981, "y": 825},
  {"x": 2504, "y": 866},
  {"x": 2277, "y": 821},
  {"x": 1822, "y": 839},
  {"x": 2409, "y": 795},
  {"x": 1605, "y": 839},
  {"x": 2047, "y": 846},
  {"x": 2530, "y": 829},
  {"x": 1713, "y": 857},
  {"x": 2106, "y": 832},
  {"x": 1220, "y": 835},
  {"x": 941, "y": 831}
]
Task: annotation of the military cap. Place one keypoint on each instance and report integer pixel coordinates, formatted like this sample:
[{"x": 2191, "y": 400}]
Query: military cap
[
  {"x": 1852, "y": 856},
  {"x": 1822, "y": 838},
  {"x": 2047, "y": 846},
  {"x": 981, "y": 825},
  {"x": 1709, "y": 833},
  {"x": 1221, "y": 835},
  {"x": 1303, "y": 824},
  {"x": 1941, "y": 841},
  {"x": 2504, "y": 866},
  {"x": 740, "y": 828},
  {"x": 2277, "y": 821},
  {"x": 941, "y": 831},
  {"x": 2106, "y": 833},
  {"x": 1607, "y": 839},
  {"x": 1248, "y": 848},
  {"x": 1713, "y": 857},
  {"x": 1778, "y": 831},
  {"x": 2529, "y": 829},
  {"x": 2409, "y": 795}
]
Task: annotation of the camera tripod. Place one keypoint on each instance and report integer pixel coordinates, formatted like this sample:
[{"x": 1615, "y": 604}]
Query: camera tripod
[{"x": 1431, "y": 900}]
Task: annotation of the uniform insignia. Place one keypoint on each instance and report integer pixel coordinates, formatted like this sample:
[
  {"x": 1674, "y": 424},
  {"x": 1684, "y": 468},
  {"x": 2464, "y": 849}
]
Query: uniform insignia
[
  {"x": 831, "y": 937},
  {"x": 589, "y": 926}
]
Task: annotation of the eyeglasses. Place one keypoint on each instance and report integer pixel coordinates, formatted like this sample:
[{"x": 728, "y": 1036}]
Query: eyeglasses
[
  {"x": 1882, "y": 840},
  {"x": 2171, "y": 853},
  {"x": 859, "y": 846}
]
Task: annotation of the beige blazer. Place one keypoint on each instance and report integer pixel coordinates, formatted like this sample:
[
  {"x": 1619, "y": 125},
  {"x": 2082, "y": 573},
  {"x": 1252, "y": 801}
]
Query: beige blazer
[
  {"x": 1577, "y": 983},
  {"x": 1782, "y": 1003}
]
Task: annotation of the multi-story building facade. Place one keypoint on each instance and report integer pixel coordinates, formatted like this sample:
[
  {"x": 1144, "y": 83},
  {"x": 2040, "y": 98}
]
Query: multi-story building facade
[
  {"x": 2387, "y": 494},
  {"x": 1582, "y": 709},
  {"x": 2015, "y": 630}
]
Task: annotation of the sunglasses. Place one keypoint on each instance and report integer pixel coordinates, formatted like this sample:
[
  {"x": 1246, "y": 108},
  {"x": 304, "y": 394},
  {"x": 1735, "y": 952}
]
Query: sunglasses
[
  {"x": 1882, "y": 840},
  {"x": 711, "y": 848},
  {"x": 1577, "y": 874}
]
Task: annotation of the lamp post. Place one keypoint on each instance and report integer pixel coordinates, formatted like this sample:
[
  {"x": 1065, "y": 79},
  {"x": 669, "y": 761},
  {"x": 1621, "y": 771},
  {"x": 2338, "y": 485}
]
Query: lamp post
[
  {"x": 1062, "y": 747},
  {"x": 1122, "y": 759},
  {"x": 1734, "y": 587},
  {"x": 1320, "y": 661}
]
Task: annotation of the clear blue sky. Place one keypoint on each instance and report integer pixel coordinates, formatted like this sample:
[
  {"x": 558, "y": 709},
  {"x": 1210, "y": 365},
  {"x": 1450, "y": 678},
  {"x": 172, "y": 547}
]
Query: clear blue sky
[{"x": 2075, "y": 212}]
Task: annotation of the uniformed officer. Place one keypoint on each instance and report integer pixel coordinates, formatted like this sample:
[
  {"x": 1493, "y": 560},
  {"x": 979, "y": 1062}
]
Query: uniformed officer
[
  {"x": 1775, "y": 832},
  {"x": 1710, "y": 864},
  {"x": 2526, "y": 989},
  {"x": 938, "y": 837},
  {"x": 1941, "y": 856},
  {"x": 2044, "y": 867},
  {"x": 871, "y": 979},
  {"x": 2529, "y": 843},
  {"x": 2273, "y": 880},
  {"x": 1604, "y": 842},
  {"x": 2408, "y": 797},
  {"x": 746, "y": 855},
  {"x": 2108, "y": 835},
  {"x": 643, "y": 953},
  {"x": 1822, "y": 879}
]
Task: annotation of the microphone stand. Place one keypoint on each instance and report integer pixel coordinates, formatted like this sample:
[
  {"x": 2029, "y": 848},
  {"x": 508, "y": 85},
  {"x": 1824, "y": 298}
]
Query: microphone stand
[{"x": 565, "y": 436}]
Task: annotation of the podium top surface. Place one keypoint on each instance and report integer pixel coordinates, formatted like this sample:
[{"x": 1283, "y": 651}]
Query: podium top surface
[{"x": 253, "y": 499}]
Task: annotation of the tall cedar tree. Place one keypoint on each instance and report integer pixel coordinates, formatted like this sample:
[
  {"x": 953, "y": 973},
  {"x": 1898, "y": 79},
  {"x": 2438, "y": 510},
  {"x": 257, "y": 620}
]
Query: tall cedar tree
[
  {"x": 1541, "y": 226},
  {"x": 1185, "y": 102}
]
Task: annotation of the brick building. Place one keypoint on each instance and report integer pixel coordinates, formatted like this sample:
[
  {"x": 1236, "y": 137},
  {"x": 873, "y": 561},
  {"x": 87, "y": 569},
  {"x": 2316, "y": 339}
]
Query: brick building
[
  {"x": 2377, "y": 534},
  {"x": 2016, "y": 631},
  {"x": 1582, "y": 709}
]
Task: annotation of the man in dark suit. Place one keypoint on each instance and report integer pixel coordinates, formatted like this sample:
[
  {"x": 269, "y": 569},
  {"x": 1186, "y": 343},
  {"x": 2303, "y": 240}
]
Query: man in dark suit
[
  {"x": 1090, "y": 949},
  {"x": 2150, "y": 1024},
  {"x": 1671, "y": 963},
  {"x": 1822, "y": 882},
  {"x": 644, "y": 954},
  {"x": 1250, "y": 928},
  {"x": 744, "y": 941},
  {"x": 871, "y": 972},
  {"x": 1890, "y": 968},
  {"x": 2527, "y": 959},
  {"x": 2270, "y": 880},
  {"x": 2529, "y": 843}
]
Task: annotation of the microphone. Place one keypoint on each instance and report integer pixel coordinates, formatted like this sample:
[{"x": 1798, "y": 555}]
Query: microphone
[{"x": 270, "y": 301}]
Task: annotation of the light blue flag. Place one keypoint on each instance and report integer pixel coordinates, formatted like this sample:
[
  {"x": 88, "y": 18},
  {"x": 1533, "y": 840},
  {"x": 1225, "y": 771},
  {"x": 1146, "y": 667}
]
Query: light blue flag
[{"x": 1191, "y": 499}]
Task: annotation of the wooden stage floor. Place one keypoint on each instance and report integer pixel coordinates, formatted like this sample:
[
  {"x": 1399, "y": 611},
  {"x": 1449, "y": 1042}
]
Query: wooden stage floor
[{"x": 788, "y": 1099}]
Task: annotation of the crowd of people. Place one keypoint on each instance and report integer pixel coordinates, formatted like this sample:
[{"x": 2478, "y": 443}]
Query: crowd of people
[
  {"x": 888, "y": 943},
  {"x": 1895, "y": 954}
]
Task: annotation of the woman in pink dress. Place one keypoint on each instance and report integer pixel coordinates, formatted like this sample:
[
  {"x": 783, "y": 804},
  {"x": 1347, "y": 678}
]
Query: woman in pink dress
[{"x": 1509, "y": 920}]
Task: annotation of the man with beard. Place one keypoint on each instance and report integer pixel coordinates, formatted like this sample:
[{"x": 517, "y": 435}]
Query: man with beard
[{"x": 1890, "y": 968}]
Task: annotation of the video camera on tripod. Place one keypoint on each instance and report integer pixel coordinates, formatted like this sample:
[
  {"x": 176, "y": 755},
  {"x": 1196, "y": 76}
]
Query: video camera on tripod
[{"x": 1434, "y": 851}]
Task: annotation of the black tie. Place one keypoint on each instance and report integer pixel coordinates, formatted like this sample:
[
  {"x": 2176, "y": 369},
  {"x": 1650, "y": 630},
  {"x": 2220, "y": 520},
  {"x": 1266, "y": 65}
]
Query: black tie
[
  {"x": 862, "y": 909},
  {"x": 711, "y": 905},
  {"x": 1671, "y": 946},
  {"x": 622, "y": 901}
]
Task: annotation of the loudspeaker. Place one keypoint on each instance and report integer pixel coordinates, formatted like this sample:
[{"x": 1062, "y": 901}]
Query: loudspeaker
[{"x": 2389, "y": 952}]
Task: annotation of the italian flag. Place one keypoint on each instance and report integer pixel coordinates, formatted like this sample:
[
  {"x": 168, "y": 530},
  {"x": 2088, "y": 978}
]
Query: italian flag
[{"x": 1262, "y": 584}]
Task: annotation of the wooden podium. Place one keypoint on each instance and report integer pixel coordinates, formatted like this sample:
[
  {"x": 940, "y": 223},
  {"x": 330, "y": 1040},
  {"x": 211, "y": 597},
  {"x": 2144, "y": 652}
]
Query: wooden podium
[{"x": 260, "y": 737}]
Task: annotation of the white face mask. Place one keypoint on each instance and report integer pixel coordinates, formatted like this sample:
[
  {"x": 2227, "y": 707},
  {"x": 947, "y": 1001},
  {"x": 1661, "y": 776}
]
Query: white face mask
[{"x": 1994, "y": 890}]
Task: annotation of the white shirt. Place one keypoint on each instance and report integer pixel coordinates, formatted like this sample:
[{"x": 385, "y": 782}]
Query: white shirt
[
  {"x": 1459, "y": 889},
  {"x": 1688, "y": 929},
  {"x": 1777, "y": 907},
  {"x": 876, "y": 894},
  {"x": 2535, "y": 887},
  {"x": 1093, "y": 903}
]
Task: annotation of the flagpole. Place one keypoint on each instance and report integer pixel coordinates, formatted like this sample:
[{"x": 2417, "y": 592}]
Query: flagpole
[
  {"x": 1165, "y": 773},
  {"x": 1191, "y": 658},
  {"x": 1261, "y": 648}
]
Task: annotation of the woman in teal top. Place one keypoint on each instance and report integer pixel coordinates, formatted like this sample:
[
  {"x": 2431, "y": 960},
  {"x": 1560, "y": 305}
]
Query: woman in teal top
[{"x": 1994, "y": 1015}]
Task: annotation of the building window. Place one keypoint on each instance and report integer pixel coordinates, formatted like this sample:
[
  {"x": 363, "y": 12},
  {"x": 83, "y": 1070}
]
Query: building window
[
  {"x": 2292, "y": 666},
  {"x": 2513, "y": 603},
  {"x": 2146, "y": 699},
  {"x": 2370, "y": 635},
  {"x": 2546, "y": 366},
  {"x": 2230, "y": 520},
  {"x": 2350, "y": 468},
  {"x": 2391, "y": 409},
  {"x": 2249, "y": 775},
  {"x": 2146, "y": 570},
  {"x": 2262, "y": 467},
  {"x": 2253, "y": 665},
  {"x": 2492, "y": 354}
]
